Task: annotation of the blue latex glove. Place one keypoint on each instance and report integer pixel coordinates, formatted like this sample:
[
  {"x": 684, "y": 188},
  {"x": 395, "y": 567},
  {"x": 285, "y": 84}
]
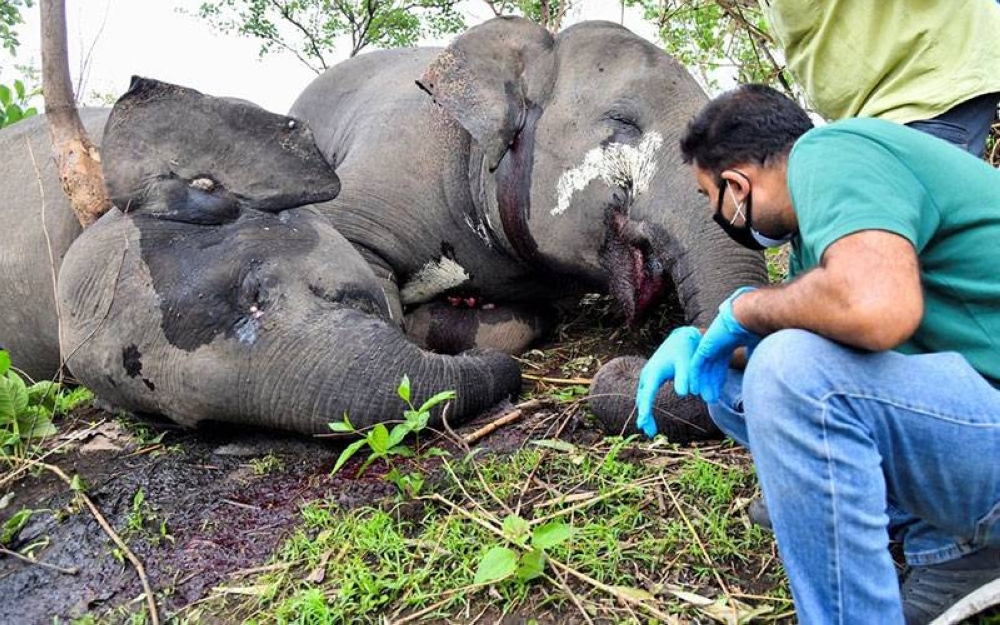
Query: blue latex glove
[
  {"x": 670, "y": 362},
  {"x": 710, "y": 363}
]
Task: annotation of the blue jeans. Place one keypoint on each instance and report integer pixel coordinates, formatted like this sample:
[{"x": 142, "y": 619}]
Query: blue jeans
[
  {"x": 966, "y": 125},
  {"x": 843, "y": 440}
]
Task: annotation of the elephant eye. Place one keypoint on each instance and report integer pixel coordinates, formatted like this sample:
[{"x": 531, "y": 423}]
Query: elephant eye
[{"x": 623, "y": 125}]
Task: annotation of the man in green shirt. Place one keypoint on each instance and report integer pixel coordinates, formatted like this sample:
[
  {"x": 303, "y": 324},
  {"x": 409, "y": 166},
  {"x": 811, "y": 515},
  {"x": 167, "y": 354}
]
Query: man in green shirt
[
  {"x": 932, "y": 65},
  {"x": 871, "y": 390}
]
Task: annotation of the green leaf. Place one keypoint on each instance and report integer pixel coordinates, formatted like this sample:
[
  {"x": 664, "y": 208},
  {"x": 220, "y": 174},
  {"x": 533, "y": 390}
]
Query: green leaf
[
  {"x": 516, "y": 528},
  {"x": 400, "y": 450},
  {"x": 44, "y": 394},
  {"x": 343, "y": 426},
  {"x": 437, "y": 399},
  {"x": 349, "y": 451},
  {"x": 531, "y": 565},
  {"x": 77, "y": 484},
  {"x": 8, "y": 412},
  {"x": 14, "y": 113},
  {"x": 397, "y": 435},
  {"x": 19, "y": 89},
  {"x": 35, "y": 425},
  {"x": 498, "y": 563},
  {"x": 4, "y": 96},
  {"x": 14, "y": 524},
  {"x": 4, "y": 362},
  {"x": 13, "y": 397},
  {"x": 404, "y": 389},
  {"x": 551, "y": 534},
  {"x": 378, "y": 439}
]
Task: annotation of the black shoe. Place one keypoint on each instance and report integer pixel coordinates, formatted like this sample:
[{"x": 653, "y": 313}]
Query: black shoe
[
  {"x": 759, "y": 516},
  {"x": 928, "y": 591}
]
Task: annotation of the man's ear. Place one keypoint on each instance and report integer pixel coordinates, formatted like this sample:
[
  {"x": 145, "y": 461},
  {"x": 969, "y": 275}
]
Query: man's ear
[{"x": 487, "y": 75}]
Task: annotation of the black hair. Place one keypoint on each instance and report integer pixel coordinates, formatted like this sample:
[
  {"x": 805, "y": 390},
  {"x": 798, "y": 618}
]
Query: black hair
[{"x": 750, "y": 124}]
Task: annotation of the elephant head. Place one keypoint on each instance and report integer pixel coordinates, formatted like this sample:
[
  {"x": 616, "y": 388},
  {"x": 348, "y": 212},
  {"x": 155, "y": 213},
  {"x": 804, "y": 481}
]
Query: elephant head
[
  {"x": 577, "y": 136},
  {"x": 207, "y": 294}
]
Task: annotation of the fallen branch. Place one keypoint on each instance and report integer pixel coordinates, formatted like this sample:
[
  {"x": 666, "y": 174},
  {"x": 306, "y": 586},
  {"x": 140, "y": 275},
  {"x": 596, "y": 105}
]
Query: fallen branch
[
  {"x": 510, "y": 417},
  {"x": 115, "y": 538},
  {"x": 44, "y": 565}
]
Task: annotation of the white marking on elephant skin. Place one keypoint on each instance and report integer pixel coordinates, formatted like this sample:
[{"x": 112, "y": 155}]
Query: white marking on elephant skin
[
  {"x": 617, "y": 164},
  {"x": 434, "y": 278}
]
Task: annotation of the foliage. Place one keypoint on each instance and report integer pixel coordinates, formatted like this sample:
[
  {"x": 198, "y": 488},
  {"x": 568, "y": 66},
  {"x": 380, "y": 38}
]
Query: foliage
[
  {"x": 548, "y": 13},
  {"x": 500, "y": 563},
  {"x": 14, "y": 103},
  {"x": 142, "y": 520},
  {"x": 10, "y": 17},
  {"x": 309, "y": 29},
  {"x": 549, "y": 527},
  {"x": 25, "y": 411},
  {"x": 384, "y": 443},
  {"x": 713, "y": 37},
  {"x": 13, "y": 525}
]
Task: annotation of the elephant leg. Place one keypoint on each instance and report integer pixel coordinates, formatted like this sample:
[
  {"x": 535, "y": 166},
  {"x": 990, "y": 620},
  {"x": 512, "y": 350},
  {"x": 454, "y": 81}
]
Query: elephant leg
[
  {"x": 449, "y": 329},
  {"x": 612, "y": 399}
]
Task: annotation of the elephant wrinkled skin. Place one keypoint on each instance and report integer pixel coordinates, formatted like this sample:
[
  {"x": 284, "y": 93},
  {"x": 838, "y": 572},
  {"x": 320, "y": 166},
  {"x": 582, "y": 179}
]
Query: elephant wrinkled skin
[
  {"x": 214, "y": 292},
  {"x": 525, "y": 168}
]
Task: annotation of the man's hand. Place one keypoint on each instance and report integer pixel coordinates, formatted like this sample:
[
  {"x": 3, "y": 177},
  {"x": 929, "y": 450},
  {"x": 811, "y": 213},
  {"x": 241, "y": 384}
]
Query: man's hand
[
  {"x": 711, "y": 359},
  {"x": 670, "y": 362}
]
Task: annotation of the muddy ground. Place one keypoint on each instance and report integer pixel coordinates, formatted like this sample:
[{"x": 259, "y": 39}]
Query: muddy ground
[{"x": 224, "y": 498}]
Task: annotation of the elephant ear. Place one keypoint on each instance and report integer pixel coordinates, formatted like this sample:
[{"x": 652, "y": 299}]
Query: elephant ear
[{"x": 487, "y": 77}]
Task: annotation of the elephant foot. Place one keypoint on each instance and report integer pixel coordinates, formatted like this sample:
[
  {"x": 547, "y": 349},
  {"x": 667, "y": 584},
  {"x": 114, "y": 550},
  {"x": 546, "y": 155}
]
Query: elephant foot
[
  {"x": 612, "y": 399},
  {"x": 450, "y": 328}
]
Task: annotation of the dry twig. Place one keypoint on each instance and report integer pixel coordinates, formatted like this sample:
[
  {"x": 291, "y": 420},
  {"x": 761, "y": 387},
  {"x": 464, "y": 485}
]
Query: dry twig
[{"x": 508, "y": 418}]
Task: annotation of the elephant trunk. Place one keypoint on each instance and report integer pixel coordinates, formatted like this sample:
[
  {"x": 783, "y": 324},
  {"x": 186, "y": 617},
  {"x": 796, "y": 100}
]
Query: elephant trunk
[
  {"x": 357, "y": 371},
  {"x": 708, "y": 266}
]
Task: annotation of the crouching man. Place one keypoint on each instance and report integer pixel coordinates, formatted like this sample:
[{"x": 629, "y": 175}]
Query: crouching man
[{"x": 870, "y": 396}]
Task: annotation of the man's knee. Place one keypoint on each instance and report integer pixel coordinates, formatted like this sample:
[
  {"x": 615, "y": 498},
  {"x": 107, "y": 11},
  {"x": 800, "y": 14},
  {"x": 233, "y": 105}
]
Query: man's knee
[{"x": 785, "y": 367}]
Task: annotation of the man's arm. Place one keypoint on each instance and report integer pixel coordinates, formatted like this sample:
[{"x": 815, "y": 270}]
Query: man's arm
[{"x": 865, "y": 293}]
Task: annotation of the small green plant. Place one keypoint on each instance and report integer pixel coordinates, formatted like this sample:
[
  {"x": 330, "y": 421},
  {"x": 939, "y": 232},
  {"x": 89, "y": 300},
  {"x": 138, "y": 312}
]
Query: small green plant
[
  {"x": 25, "y": 411},
  {"x": 142, "y": 520},
  {"x": 13, "y": 526},
  {"x": 384, "y": 443},
  {"x": 409, "y": 484},
  {"x": 266, "y": 464},
  {"x": 569, "y": 394},
  {"x": 500, "y": 563}
]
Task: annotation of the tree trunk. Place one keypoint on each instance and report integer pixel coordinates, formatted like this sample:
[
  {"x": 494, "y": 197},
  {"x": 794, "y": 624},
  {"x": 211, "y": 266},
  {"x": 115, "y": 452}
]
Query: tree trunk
[{"x": 77, "y": 158}]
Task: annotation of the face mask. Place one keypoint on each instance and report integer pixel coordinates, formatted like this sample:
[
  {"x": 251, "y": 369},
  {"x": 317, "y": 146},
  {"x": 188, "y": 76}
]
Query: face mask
[
  {"x": 746, "y": 235},
  {"x": 767, "y": 241}
]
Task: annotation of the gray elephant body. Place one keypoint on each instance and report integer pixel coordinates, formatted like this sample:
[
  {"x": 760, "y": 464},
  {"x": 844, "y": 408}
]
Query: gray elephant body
[
  {"x": 40, "y": 226},
  {"x": 209, "y": 294},
  {"x": 541, "y": 168},
  {"x": 538, "y": 167}
]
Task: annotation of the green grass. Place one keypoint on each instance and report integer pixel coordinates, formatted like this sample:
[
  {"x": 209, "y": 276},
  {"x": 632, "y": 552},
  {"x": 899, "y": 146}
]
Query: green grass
[{"x": 648, "y": 522}]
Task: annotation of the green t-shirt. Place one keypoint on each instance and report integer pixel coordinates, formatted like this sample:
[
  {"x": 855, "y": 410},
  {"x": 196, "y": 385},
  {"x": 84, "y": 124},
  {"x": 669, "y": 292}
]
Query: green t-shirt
[
  {"x": 902, "y": 60},
  {"x": 869, "y": 174}
]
